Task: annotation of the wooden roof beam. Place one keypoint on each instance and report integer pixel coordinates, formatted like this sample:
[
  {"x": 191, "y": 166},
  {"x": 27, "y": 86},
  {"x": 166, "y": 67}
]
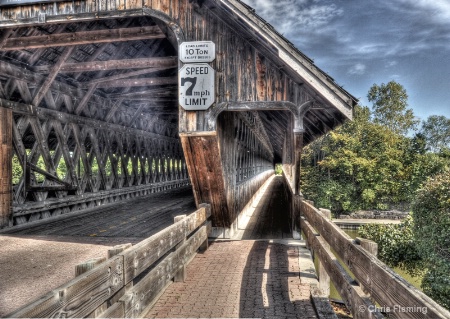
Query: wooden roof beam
[
  {"x": 84, "y": 37},
  {"x": 123, "y": 75},
  {"x": 127, "y": 64}
]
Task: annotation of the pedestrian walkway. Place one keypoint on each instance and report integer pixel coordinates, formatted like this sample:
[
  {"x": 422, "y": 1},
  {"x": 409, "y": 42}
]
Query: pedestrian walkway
[
  {"x": 240, "y": 279},
  {"x": 268, "y": 218},
  {"x": 259, "y": 274}
]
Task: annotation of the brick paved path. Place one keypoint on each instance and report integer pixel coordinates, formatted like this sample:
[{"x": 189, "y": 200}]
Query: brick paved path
[{"x": 239, "y": 279}]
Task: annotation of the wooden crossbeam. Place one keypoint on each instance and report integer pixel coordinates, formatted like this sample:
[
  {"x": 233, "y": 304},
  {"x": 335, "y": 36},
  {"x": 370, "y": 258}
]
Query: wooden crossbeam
[
  {"x": 126, "y": 64},
  {"x": 84, "y": 37},
  {"x": 143, "y": 93},
  {"x": 139, "y": 82},
  {"x": 123, "y": 75},
  {"x": 47, "y": 114}
]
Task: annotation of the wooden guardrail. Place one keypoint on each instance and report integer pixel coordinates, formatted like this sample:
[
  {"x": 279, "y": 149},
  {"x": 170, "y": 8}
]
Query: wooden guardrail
[
  {"x": 129, "y": 281},
  {"x": 394, "y": 295}
]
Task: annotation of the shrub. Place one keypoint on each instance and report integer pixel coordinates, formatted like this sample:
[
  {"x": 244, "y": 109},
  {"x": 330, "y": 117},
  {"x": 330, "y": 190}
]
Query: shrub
[{"x": 396, "y": 244}]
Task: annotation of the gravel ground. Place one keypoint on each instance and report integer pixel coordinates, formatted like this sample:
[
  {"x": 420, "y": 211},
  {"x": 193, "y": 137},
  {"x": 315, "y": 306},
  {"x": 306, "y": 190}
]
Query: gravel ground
[{"x": 33, "y": 265}]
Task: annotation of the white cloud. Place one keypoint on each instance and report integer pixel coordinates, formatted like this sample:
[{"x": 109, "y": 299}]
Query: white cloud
[
  {"x": 436, "y": 10},
  {"x": 357, "y": 69},
  {"x": 294, "y": 16}
]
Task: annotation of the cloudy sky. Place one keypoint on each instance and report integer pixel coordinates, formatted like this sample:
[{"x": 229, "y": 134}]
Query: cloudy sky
[{"x": 362, "y": 42}]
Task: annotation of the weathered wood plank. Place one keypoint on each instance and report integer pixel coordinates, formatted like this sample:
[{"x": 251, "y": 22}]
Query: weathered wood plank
[
  {"x": 153, "y": 64},
  {"x": 80, "y": 296},
  {"x": 142, "y": 255},
  {"x": 84, "y": 37},
  {"x": 145, "y": 292},
  {"x": 350, "y": 292},
  {"x": 385, "y": 286}
]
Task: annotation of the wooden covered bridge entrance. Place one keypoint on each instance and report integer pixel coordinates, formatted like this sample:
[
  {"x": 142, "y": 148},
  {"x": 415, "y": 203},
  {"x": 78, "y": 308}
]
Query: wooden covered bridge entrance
[{"x": 106, "y": 113}]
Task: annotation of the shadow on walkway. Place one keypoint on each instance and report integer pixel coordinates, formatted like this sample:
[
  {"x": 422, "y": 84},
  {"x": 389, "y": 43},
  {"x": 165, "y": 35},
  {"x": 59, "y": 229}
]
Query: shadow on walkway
[{"x": 271, "y": 286}]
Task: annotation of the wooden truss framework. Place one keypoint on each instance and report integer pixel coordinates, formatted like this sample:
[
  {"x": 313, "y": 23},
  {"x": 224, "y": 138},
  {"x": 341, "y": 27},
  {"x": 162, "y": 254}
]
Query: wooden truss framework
[{"x": 87, "y": 103}]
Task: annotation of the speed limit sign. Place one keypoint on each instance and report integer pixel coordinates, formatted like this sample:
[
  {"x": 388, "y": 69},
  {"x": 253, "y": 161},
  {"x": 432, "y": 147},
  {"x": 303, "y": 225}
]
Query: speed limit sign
[{"x": 196, "y": 86}]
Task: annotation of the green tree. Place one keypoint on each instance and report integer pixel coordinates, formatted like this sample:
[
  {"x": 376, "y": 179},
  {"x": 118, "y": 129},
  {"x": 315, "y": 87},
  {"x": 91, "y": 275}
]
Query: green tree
[
  {"x": 390, "y": 102},
  {"x": 362, "y": 166},
  {"x": 436, "y": 132},
  {"x": 431, "y": 212}
]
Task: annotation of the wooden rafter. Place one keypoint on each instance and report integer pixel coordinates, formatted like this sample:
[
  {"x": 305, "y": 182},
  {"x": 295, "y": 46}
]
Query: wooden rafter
[
  {"x": 83, "y": 37},
  {"x": 51, "y": 76}
]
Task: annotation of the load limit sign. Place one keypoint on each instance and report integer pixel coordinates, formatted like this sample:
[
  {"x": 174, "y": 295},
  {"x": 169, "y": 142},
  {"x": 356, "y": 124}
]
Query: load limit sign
[{"x": 196, "y": 86}]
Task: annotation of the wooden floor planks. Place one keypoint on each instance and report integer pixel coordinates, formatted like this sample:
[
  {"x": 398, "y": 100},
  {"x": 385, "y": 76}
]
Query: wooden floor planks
[{"x": 138, "y": 217}]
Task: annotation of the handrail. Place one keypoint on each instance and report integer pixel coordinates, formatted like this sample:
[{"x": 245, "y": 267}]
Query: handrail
[
  {"x": 394, "y": 294},
  {"x": 111, "y": 282}
]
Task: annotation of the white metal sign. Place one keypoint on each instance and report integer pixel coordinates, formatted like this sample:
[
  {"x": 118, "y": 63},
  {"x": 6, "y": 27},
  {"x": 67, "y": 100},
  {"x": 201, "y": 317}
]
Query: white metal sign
[
  {"x": 198, "y": 51},
  {"x": 196, "y": 86}
]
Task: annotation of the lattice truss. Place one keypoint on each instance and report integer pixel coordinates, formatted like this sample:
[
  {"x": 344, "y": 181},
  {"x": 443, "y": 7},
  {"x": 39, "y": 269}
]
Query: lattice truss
[
  {"x": 254, "y": 152},
  {"x": 95, "y": 114},
  {"x": 58, "y": 160}
]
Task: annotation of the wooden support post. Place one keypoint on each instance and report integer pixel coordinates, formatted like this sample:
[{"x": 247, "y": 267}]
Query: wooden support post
[
  {"x": 324, "y": 278},
  {"x": 204, "y": 246},
  {"x": 180, "y": 276},
  {"x": 371, "y": 247},
  {"x": 88, "y": 265},
  {"x": 5, "y": 166},
  {"x": 298, "y": 147}
]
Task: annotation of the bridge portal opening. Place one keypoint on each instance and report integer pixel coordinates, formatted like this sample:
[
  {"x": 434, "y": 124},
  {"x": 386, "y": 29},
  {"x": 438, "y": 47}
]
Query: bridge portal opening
[
  {"x": 252, "y": 142},
  {"x": 94, "y": 114}
]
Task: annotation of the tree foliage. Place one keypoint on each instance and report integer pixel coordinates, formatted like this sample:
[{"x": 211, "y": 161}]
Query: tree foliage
[
  {"x": 363, "y": 165},
  {"x": 436, "y": 133},
  {"x": 431, "y": 211},
  {"x": 368, "y": 163},
  {"x": 390, "y": 102}
]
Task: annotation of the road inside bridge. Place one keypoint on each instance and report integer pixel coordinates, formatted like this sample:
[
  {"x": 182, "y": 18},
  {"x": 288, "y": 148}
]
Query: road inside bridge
[{"x": 41, "y": 256}]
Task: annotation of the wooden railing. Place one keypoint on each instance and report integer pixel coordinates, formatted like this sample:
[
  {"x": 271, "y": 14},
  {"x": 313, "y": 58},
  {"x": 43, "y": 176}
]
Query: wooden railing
[
  {"x": 393, "y": 295},
  {"x": 131, "y": 280}
]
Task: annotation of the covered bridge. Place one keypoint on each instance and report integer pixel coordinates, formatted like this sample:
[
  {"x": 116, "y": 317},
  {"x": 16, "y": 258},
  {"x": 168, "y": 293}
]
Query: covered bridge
[
  {"x": 105, "y": 102},
  {"x": 91, "y": 114}
]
